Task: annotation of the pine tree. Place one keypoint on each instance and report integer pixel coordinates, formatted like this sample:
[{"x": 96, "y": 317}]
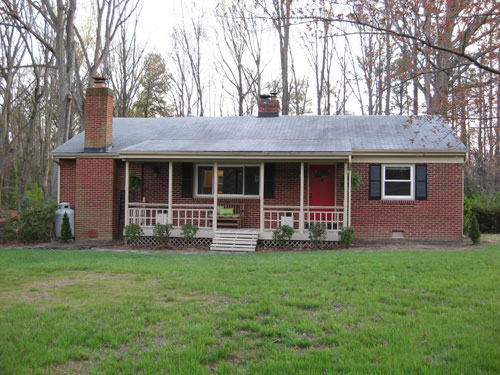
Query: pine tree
[
  {"x": 66, "y": 229},
  {"x": 474, "y": 233}
]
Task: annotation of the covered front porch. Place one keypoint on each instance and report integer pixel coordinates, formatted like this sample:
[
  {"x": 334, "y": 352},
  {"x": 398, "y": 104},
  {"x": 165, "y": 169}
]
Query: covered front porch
[{"x": 261, "y": 195}]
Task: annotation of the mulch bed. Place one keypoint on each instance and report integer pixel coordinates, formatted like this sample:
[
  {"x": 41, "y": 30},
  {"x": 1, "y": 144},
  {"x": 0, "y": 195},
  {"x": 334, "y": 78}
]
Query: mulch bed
[{"x": 118, "y": 245}]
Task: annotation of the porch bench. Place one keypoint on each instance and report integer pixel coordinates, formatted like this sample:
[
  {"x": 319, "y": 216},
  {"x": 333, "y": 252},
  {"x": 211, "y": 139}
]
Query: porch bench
[{"x": 233, "y": 220}]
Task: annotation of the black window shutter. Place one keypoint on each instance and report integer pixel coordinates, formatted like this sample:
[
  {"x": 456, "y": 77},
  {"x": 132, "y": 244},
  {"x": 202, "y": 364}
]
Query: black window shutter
[
  {"x": 421, "y": 181},
  {"x": 269, "y": 170},
  {"x": 375, "y": 181},
  {"x": 187, "y": 180}
]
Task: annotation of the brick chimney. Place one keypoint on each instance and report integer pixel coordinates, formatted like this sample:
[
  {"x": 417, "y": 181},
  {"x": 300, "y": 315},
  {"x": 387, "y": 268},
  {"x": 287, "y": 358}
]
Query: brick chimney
[
  {"x": 98, "y": 116},
  {"x": 269, "y": 105}
]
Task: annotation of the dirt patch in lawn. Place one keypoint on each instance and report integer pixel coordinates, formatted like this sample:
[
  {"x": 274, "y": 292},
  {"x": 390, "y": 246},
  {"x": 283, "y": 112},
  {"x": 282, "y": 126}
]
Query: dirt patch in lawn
[
  {"x": 73, "y": 368},
  {"x": 464, "y": 244},
  {"x": 76, "y": 288}
]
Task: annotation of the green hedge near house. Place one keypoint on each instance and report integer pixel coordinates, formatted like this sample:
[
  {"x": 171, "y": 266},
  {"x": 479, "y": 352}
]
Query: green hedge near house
[{"x": 486, "y": 208}]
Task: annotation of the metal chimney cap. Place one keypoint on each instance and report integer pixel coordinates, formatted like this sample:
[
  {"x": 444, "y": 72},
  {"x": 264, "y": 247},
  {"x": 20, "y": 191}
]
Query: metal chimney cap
[{"x": 100, "y": 81}]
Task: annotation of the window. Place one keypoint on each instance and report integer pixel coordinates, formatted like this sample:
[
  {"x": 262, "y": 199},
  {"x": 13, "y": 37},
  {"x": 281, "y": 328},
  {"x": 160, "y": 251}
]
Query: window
[
  {"x": 398, "y": 182},
  {"x": 231, "y": 180}
]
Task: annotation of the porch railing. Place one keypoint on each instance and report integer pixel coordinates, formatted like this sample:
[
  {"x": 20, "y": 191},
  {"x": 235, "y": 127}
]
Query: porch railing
[
  {"x": 276, "y": 216},
  {"x": 331, "y": 216},
  {"x": 200, "y": 215},
  {"x": 149, "y": 214}
]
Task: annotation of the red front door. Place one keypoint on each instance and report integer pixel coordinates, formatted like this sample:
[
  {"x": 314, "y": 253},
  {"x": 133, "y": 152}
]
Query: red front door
[
  {"x": 322, "y": 185},
  {"x": 322, "y": 193}
]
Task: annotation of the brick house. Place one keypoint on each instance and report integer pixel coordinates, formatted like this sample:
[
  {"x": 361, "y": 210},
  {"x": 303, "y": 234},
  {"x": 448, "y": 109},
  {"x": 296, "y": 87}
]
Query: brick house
[{"x": 268, "y": 170}]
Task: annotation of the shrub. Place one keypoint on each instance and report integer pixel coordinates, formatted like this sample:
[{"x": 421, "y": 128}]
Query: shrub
[
  {"x": 347, "y": 236},
  {"x": 467, "y": 215},
  {"x": 486, "y": 208},
  {"x": 35, "y": 221},
  {"x": 474, "y": 233},
  {"x": 282, "y": 234},
  {"x": 161, "y": 233},
  {"x": 9, "y": 229},
  {"x": 34, "y": 193},
  {"x": 317, "y": 233},
  {"x": 66, "y": 234},
  {"x": 133, "y": 232},
  {"x": 188, "y": 232}
]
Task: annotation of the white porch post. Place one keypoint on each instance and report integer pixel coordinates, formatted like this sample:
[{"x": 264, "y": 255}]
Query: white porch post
[
  {"x": 261, "y": 196},
  {"x": 126, "y": 192},
  {"x": 215, "y": 193},
  {"x": 301, "y": 209},
  {"x": 345, "y": 195},
  {"x": 170, "y": 190}
]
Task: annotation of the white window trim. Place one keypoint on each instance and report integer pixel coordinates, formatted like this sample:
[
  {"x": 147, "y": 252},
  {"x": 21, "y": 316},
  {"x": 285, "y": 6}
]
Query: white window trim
[
  {"x": 412, "y": 182},
  {"x": 240, "y": 196}
]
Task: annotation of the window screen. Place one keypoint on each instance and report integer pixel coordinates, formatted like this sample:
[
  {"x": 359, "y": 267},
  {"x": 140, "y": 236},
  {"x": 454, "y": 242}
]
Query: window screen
[{"x": 397, "y": 181}]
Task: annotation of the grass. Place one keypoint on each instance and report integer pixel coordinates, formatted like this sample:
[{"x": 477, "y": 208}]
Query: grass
[{"x": 345, "y": 312}]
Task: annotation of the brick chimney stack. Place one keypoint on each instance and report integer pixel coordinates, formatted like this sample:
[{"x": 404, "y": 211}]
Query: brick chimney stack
[
  {"x": 98, "y": 116},
  {"x": 269, "y": 105}
]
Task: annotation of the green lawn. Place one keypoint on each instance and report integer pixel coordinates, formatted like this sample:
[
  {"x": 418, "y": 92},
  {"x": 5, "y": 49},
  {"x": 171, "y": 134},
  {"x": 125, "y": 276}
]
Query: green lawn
[{"x": 340, "y": 312}]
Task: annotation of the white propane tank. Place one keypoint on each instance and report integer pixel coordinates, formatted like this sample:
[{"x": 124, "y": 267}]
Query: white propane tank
[{"x": 65, "y": 208}]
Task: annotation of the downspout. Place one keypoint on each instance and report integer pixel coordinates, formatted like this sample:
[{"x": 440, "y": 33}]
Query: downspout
[{"x": 350, "y": 190}]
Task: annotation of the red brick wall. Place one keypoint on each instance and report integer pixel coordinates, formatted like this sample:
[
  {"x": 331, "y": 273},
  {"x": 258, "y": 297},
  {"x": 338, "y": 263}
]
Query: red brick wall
[
  {"x": 68, "y": 181},
  {"x": 87, "y": 185},
  {"x": 98, "y": 117},
  {"x": 95, "y": 207},
  {"x": 438, "y": 217}
]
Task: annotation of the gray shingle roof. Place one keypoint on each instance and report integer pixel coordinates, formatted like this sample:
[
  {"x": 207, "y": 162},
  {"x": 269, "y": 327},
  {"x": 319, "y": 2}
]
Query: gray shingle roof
[{"x": 335, "y": 134}]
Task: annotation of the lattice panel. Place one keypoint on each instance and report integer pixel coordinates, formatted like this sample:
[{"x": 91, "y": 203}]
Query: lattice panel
[
  {"x": 294, "y": 244},
  {"x": 197, "y": 242},
  {"x": 179, "y": 242},
  {"x": 150, "y": 241}
]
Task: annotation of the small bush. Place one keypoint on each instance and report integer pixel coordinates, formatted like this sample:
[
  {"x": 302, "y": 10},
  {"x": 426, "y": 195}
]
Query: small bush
[
  {"x": 317, "y": 234},
  {"x": 161, "y": 233},
  {"x": 66, "y": 234},
  {"x": 133, "y": 232},
  {"x": 188, "y": 232},
  {"x": 486, "y": 208},
  {"x": 282, "y": 234},
  {"x": 347, "y": 236},
  {"x": 474, "y": 233},
  {"x": 34, "y": 193},
  {"x": 35, "y": 221},
  {"x": 9, "y": 230}
]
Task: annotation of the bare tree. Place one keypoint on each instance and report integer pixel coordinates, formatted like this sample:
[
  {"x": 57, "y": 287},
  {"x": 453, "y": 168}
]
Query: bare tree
[
  {"x": 280, "y": 13},
  {"x": 109, "y": 16},
  {"x": 126, "y": 69},
  {"x": 188, "y": 41},
  {"x": 233, "y": 49}
]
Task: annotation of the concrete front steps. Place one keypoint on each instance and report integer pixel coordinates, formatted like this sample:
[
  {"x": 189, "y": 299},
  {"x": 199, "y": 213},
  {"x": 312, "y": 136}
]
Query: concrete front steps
[{"x": 235, "y": 240}]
